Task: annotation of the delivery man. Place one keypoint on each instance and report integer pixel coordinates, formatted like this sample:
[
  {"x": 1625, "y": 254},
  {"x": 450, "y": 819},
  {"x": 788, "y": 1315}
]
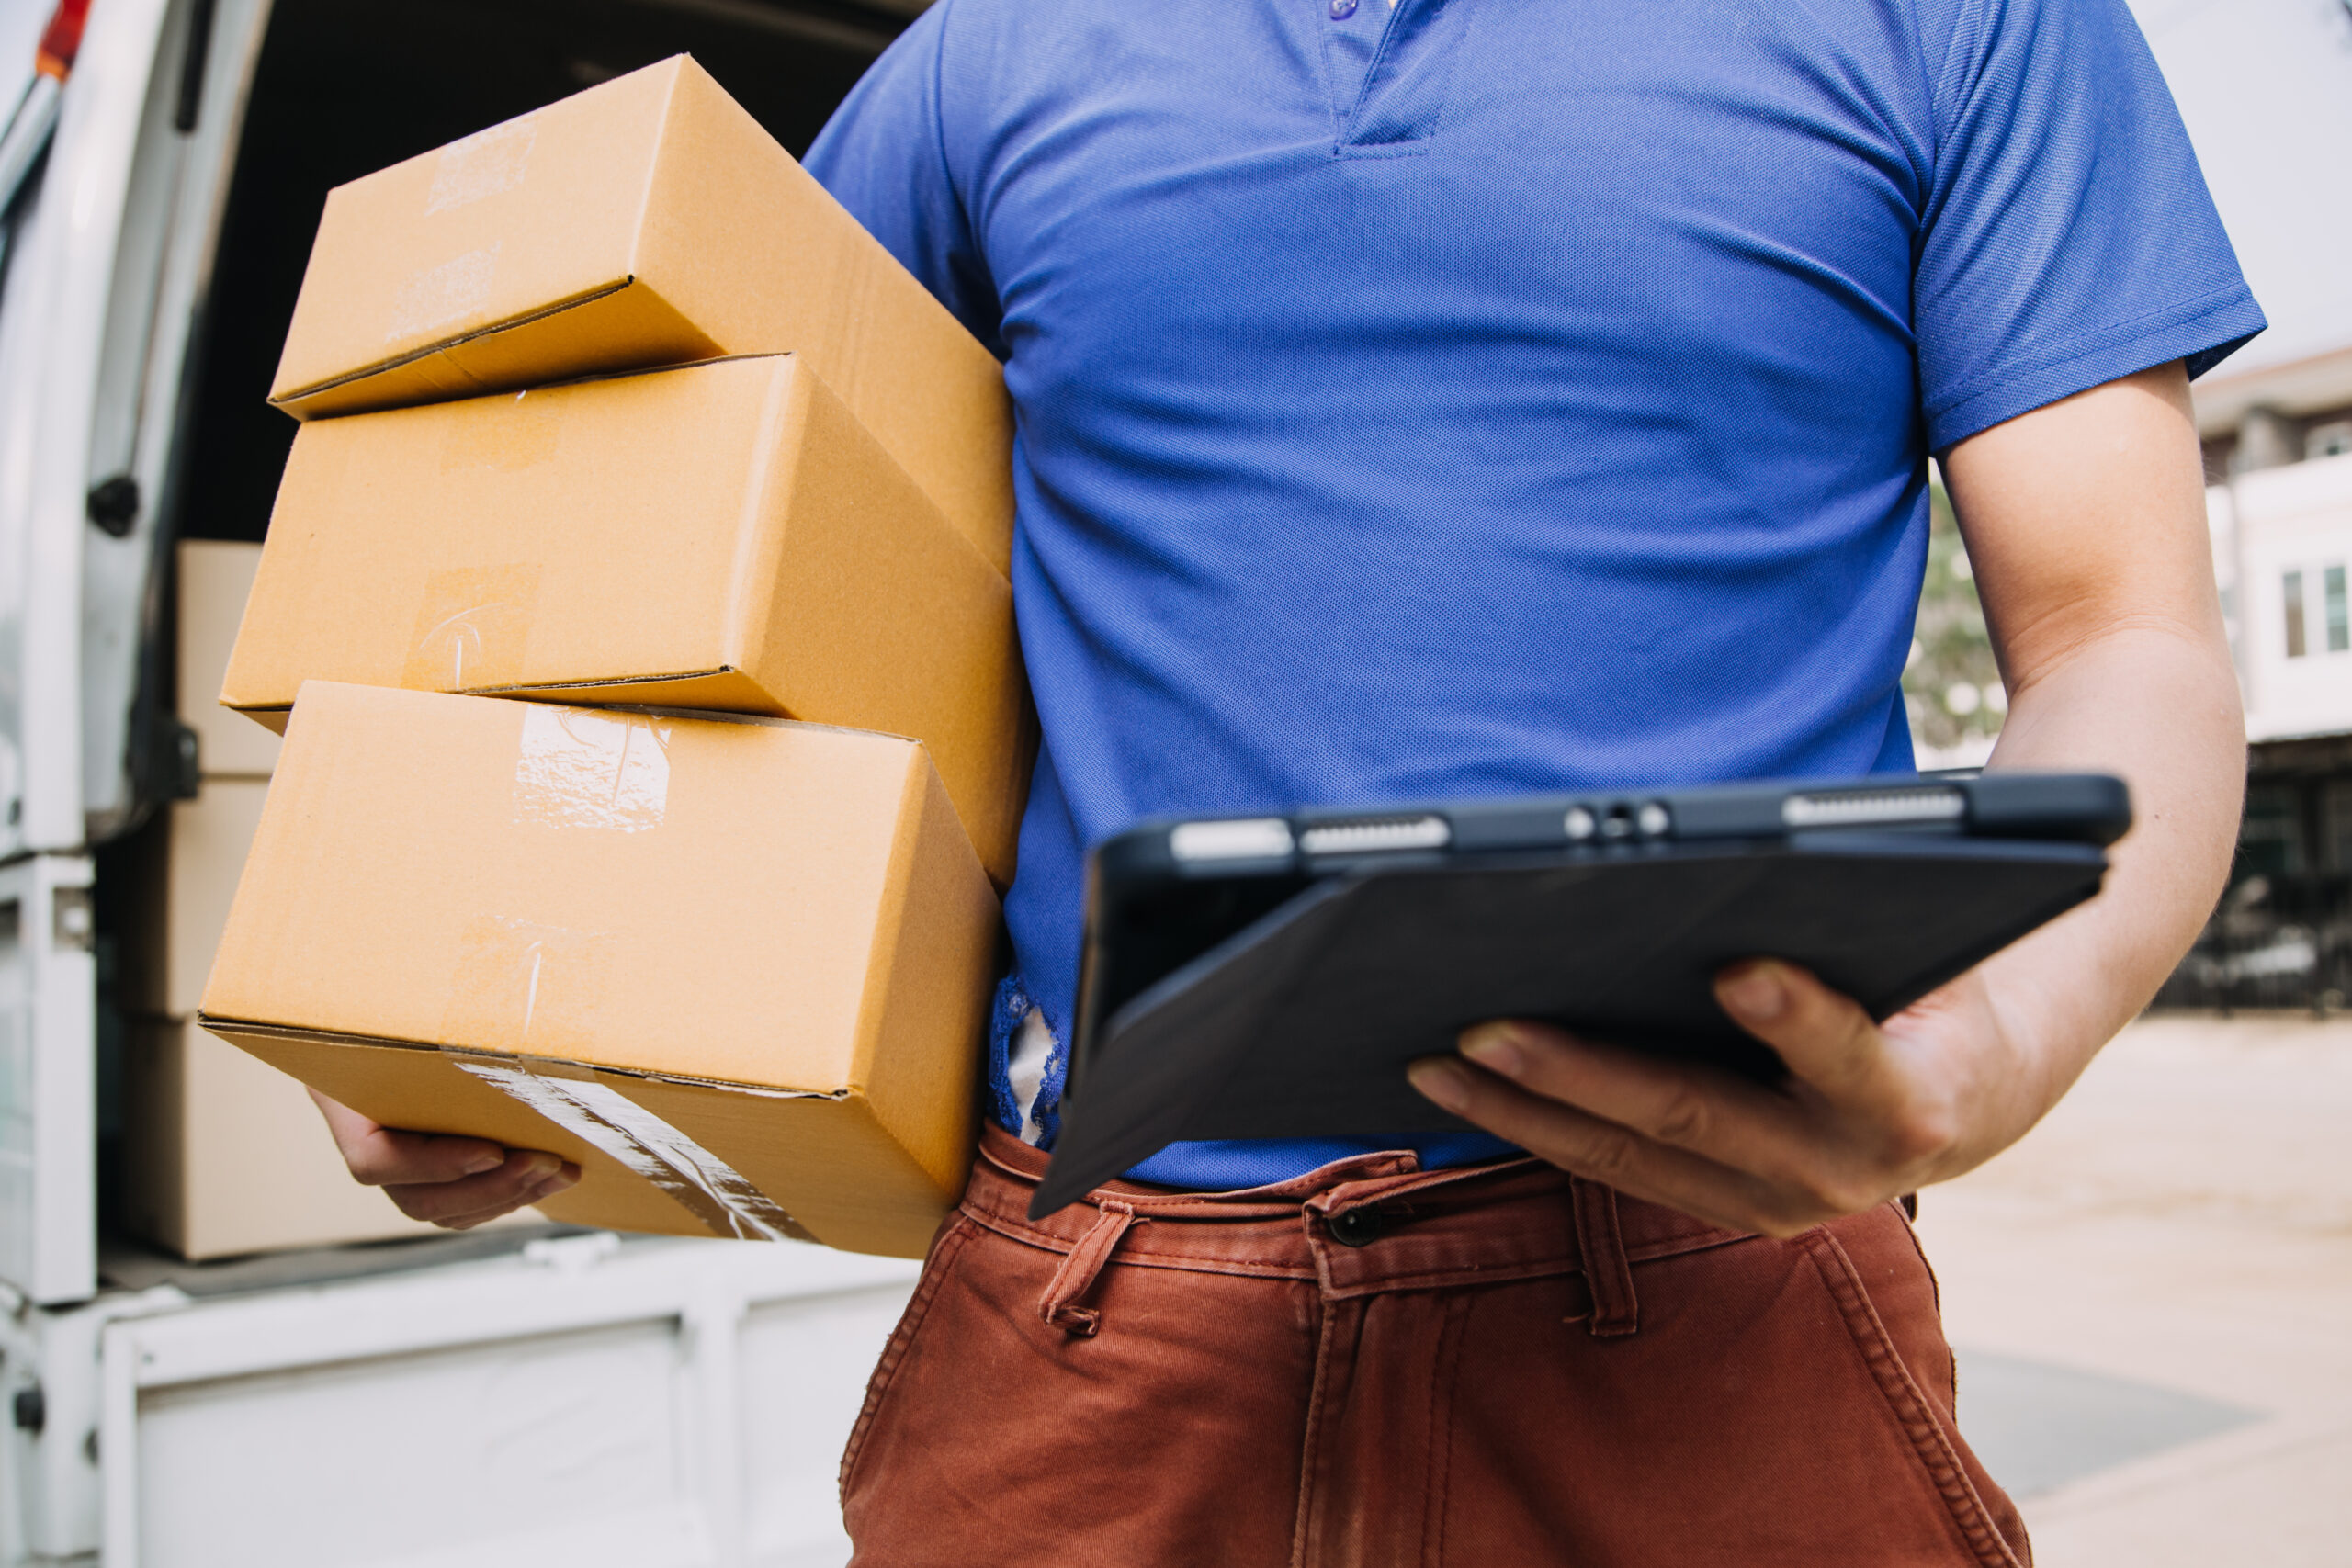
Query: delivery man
[{"x": 1450, "y": 398}]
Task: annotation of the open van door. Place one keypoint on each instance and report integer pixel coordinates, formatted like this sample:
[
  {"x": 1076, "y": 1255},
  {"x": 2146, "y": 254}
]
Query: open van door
[{"x": 122, "y": 120}]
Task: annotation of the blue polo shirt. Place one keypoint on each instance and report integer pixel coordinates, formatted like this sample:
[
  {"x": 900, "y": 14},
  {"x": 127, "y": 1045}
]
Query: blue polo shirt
[{"x": 1465, "y": 398}]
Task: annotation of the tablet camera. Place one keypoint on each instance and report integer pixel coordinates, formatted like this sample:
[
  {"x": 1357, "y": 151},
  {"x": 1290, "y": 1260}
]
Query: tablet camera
[{"x": 1617, "y": 822}]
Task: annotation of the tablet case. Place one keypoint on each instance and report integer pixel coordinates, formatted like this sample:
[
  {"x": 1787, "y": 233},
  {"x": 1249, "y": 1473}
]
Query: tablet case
[{"x": 1301, "y": 1022}]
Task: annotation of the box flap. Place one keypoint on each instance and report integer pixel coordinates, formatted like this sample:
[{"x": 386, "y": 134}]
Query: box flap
[{"x": 499, "y": 227}]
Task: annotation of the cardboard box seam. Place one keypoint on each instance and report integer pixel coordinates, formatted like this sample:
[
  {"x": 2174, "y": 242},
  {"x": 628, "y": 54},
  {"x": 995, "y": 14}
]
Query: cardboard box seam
[
  {"x": 504, "y": 324},
  {"x": 259, "y": 712},
  {"x": 625, "y": 373},
  {"x": 522, "y": 688},
  {"x": 215, "y": 1023}
]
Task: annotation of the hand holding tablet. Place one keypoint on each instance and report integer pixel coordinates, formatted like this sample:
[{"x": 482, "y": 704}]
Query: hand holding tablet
[
  {"x": 1276, "y": 976},
  {"x": 1864, "y": 1110}
]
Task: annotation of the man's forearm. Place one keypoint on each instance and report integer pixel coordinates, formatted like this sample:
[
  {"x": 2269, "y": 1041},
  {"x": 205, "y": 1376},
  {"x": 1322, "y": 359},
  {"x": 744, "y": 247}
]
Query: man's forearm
[
  {"x": 2158, "y": 703},
  {"x": 2086, "y": 524}
]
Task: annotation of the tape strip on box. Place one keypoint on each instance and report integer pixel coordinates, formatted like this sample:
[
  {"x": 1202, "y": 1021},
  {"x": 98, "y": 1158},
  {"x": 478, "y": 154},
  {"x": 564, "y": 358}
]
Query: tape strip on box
[
  {"x": 441, "y": 296},
  {"x": 472, "y": 628},
  {"x": 591, "y": 769},
  {"x": 715, "y": 1192},
  {"x": 483, "y": 165}
]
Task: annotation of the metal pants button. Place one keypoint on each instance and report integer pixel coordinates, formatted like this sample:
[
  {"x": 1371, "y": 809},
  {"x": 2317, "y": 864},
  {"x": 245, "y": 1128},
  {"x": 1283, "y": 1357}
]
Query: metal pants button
[{"x": 1357, "y": 1227}]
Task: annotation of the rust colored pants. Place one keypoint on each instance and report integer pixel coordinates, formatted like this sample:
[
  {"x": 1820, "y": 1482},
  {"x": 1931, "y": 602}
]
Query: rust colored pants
[{"x": 1374, "y": 1366}]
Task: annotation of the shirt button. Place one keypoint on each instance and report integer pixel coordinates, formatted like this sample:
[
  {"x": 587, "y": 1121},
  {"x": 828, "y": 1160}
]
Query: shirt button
[
  {"x": 1342, "y": 9},
  {"x": 1356, "y": 1227}
]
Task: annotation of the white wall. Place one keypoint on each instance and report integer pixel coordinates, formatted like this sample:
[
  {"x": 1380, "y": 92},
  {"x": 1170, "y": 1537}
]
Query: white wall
[{"x": 2268, "y": 525}]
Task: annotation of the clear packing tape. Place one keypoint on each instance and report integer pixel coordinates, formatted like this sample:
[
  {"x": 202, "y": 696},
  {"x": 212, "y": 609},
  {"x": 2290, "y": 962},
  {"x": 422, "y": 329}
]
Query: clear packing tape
[
  {"x": 539, "y": 985},
  {"x": 487, "y": 163},
  {"x": 588, "y": 770},
  {"x": 712, "y": 1190}
]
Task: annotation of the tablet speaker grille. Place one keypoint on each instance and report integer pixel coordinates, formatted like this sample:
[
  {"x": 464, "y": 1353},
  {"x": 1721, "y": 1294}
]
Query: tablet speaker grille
[
  {"x": 1376, "y": 834},
  {"x": 1874, "y": 807}
]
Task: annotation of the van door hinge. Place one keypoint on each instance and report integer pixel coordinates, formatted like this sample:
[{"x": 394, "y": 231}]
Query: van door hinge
[
  {"x": 30, "y": 1410},
  {"x": 113, "y": 505},
  {"x": 183, "y": 762}
]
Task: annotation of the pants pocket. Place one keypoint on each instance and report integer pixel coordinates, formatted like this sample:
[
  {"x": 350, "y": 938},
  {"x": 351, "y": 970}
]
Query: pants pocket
[
  {"x": 1936, "y": 1446},
  {"x": 894, "y": 1354}
]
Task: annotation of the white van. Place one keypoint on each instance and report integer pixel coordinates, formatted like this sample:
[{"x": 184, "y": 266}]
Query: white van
[{"x": 527, "y": 1397}]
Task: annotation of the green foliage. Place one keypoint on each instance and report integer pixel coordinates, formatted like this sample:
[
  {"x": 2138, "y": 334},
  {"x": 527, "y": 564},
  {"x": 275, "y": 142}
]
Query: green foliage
[{"x": 1952, "y": 687}]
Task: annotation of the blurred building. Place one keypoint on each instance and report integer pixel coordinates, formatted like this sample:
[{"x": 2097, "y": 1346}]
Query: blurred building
[
  {"x": 2279, "y": 466},
  {"x": 2277, "y": 446},
  {"x": 2278, "y": 443}
]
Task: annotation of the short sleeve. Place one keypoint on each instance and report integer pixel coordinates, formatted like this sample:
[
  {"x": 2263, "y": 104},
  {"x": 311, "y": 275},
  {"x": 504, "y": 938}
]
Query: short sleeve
[
  {"x": 883, "y": 157},
  {"x": 2069, "y": 238}
]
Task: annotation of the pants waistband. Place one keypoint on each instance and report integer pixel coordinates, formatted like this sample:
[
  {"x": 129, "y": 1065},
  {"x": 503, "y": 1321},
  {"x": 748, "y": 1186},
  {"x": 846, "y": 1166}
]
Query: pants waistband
[{"x": 1359, "y": 1227}]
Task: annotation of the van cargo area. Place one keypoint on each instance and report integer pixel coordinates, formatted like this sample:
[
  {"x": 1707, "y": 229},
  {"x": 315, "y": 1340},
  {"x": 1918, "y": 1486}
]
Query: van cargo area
[
  {"x": 199, "y": 1368},
  {"x": 340, "y": 88},
  {"x": 345, "y": 87}
]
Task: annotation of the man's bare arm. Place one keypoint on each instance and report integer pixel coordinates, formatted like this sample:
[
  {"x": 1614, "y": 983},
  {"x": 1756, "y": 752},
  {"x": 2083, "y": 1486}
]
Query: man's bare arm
[{"x": 2086, "y": 524}]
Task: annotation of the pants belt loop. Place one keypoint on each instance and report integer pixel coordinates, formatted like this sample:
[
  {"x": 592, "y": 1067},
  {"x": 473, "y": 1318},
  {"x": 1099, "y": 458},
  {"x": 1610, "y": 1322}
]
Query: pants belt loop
[
  {"x": 1059, "y": 1305},
  {"x": 1607, "y": 1273}
]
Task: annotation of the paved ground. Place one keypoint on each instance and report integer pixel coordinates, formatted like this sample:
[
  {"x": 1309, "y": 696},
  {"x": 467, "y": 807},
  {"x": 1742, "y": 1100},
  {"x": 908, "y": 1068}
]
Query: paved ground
[{"x": 2152, "y": 1297}]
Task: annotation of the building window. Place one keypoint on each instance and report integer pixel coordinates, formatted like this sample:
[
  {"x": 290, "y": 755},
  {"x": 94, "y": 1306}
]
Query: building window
[
  {"x": 2335, "y": 819},
  {"x": 2330, "y": 440},
  {"x": 2270, "y": 842},
  {"x": 2339, "y": 627},
  {"x": 2293, "y": 585}
]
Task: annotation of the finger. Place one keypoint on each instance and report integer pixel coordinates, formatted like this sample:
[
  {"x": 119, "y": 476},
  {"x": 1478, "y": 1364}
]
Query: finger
[
  {"x": 517, "y": 1180},
  {"x": 387, "y": 1157},
  {"x": 1824, "y": 1039},
  {"x": 428, "y": 1200},
  {"x": 1603, "y": 1151},
  {"x": 1683, "y": 1105},
  {"x": 563, "y": 1178},
  {"x": 1892, "y": 1118},
  {"x": 382, "y": 1157}
]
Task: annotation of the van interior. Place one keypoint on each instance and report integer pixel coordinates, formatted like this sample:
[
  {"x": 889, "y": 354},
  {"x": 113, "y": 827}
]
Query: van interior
[
  {"x": 341, "y": 88},
  {"x": 344, "y": 88}
]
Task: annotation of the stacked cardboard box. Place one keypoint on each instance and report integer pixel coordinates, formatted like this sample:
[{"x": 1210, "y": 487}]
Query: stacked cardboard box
[
  {"x": 223, "y": 1156},
  {"x": 646, "y": 222},
  {"x": 724, "y": 938}
]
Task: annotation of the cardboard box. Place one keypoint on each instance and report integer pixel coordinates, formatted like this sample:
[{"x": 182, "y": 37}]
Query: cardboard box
[
  {"x": 215, "y": 577},
  {"x": 721, "y": 535},
  {"x": 224, "y": 1155},
  {"x": 737, "y": 969},
  {"x": 648, "y": 221},
  {"x": 180, "y": 877}
]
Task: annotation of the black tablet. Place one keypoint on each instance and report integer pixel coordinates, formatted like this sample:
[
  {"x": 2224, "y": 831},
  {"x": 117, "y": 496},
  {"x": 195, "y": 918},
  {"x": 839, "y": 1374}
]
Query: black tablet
[{"x": 1271, "y": 977}]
